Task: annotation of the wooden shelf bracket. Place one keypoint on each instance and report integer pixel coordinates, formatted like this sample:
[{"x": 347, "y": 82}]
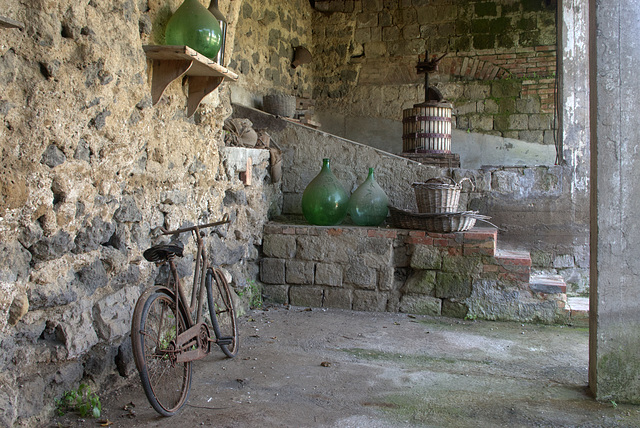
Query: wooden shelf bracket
[{"x": 172, "y": 62}]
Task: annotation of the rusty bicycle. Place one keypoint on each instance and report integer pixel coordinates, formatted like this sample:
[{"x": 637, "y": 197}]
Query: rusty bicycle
[{"x": 168, "y": 332}]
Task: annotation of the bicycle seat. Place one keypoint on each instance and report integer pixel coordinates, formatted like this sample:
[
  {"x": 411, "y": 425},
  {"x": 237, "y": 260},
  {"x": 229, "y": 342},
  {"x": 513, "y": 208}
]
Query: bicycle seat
[{"x": 162, "y": 252}]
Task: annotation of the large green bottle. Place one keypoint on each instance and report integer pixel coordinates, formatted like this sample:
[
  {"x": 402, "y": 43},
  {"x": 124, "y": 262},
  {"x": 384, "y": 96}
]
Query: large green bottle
[
  {"x": 368, "y": 205},
  {"x": 194, "y": 26},
  {"x": 324, "y": 201}
]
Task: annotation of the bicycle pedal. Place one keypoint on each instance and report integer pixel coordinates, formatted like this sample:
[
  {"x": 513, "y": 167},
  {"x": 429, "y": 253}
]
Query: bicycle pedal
[{"x": 225, "y": 341}]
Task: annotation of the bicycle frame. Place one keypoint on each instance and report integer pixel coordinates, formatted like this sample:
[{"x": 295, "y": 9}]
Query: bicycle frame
[{"x": 192, "y": 344}]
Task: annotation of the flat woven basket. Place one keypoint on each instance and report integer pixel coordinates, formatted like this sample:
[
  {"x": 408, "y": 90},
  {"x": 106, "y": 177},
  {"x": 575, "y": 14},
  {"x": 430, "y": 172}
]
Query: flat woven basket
[
  {"x": 442, "y": 222},
  {"x": 436, "y": 196},
  {"x": 280, "y": 105}
]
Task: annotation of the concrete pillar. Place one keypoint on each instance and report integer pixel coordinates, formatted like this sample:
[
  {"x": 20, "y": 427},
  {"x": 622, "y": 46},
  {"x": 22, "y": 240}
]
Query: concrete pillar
[
  {"x": 573, "y": 90},
  {"x": 614, "y": 361}
]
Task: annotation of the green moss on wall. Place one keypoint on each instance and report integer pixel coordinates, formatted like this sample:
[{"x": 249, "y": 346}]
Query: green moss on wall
[{"x": 486, "y": 9}]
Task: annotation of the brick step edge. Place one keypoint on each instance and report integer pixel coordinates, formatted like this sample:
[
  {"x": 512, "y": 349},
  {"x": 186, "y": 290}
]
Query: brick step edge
[{"x": 547, "y": 284}]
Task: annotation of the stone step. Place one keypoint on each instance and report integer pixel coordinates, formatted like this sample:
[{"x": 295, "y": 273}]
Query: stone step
[
  {"x": 578, "y": 309},
  {"x": 547, "y": 284},
  {"x": 516, "y": 265}
]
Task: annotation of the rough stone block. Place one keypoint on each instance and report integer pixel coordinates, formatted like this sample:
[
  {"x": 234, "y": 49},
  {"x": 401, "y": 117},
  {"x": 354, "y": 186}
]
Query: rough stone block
[
  {"x": 375, "y": 49},
  {"x": 360, "y": 275},
  {"x": 112, "y": 318},
  {"x": 528, "y": 105},
  {"x": 377, "y": 250},
  {"x": 306, "y": 296},
  {"x": 329, "y": 274},
  {"x": 505, "y": 88},
  {"x": 276, "y": 293},
  {"x": 93, "y": 276},
  {"x": 505, "y": 182},
  {"x": 362, "y": 35},
  {"x": 390, "y": 34},
  {"x": 481, "y": 122},
  {"x": 18, "y": 309},
  {"x": 477, "y": 91},
  {"x": 272, "y": 271},
  {"x": 386, "y": 278},
  {"x": 367, "y": 20},
  {"x": 77, "y": 330},
  {"x": 369, "y": 301},
  {"x": 421, "y": 282},
  {"x": 279, "y": 246},
  {"x": 426, "y": 257},
  {"x": 420, "y": 305},
  {"x": 452, "y": 285},
  {"x": 337, "y": 298},
  {"x": 324, "y": 248},
  {"x": 467, "y": 266},
  {"x": 518, "y": 121},
  {"x": 454, "y": 309},
  {"x": 299, "y": 272},
  {"x": 466, "y": 108},
  {"x": 531, "y": 136}
]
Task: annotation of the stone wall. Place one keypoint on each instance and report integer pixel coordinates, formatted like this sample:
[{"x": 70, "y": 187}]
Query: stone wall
[
  {"x": 89, "y": 169},
  {"x": 268, "y": 31},
  {"x": 533, "y": 206},
  {"x": 499, "y": 72},
  {"x": 384, "y": 269}
]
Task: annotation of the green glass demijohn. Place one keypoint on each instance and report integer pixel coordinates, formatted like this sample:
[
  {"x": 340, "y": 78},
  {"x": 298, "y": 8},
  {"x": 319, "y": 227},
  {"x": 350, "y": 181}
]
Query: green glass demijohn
[
  {"x": 324, "y": 201},
  {"x": 368, "y": 205},
  {"x": 194, "y": 26}
]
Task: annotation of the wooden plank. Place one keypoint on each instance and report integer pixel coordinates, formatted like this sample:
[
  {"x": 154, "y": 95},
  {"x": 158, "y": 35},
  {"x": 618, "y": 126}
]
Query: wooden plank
[
  {"x": 10, "y": 23},
  {"x": 202, "y": 66}
]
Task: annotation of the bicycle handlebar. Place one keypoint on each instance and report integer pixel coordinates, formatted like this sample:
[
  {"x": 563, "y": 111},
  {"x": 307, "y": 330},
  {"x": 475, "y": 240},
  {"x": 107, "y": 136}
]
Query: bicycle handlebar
[{"x": 225, "y": 219}]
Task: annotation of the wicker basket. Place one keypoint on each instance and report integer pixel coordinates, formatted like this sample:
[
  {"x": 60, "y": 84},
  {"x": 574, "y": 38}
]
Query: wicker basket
[
  {"x": 437, "y": 196},
  {"x": 442, "y": 223},
  {"x": 280, "y": 105}
]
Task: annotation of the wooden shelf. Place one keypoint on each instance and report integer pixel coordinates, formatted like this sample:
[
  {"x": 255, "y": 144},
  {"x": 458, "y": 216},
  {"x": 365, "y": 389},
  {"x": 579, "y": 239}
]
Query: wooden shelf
[
  {"x": 171, "y": 62},
  {"x": 10, "y": 23}
]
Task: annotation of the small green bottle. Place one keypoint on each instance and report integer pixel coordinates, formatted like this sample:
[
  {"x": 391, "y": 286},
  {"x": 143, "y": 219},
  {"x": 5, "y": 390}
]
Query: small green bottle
[
  {"x": 194, "y": 26},
  {"x": 368, "y": 205},
  {"x": 324, "y": 201}
]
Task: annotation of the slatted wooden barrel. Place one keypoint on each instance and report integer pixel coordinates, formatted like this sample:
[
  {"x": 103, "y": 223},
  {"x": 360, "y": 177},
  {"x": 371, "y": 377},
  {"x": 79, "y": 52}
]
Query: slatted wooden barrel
[{"x": 426, "y": 128}]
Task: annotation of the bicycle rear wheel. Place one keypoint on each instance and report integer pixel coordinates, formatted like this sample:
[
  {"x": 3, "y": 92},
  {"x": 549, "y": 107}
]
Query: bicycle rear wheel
[
  {"x": 166, "y": 383},
  {"x": 222, "y": 310}
]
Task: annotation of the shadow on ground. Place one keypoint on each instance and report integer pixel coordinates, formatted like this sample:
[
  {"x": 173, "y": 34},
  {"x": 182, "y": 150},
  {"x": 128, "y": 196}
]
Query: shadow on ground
[{"x": 330, "y": 368}]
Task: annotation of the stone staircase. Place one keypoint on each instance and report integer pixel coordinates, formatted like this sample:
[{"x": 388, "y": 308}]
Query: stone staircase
[{"x": 461, "y": 274}]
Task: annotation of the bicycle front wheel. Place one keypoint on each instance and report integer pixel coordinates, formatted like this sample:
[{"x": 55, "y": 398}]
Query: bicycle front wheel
[
  {"x": 157, "y": 322},
  {"x": 222, "y": 310}
]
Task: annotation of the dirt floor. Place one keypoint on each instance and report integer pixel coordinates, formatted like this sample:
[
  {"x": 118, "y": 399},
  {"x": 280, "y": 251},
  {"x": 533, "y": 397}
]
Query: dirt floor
[{"x": 299, "y": 367}]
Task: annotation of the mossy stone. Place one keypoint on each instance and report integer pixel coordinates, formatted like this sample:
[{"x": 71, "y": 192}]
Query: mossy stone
[
  {"x": 486, "y": 9},
  {"x": 421, "y": 282},
  {"x": 453, "y": 285},
  {"x": 506, "y": 88},
  {"x": 484, "y": 41}
]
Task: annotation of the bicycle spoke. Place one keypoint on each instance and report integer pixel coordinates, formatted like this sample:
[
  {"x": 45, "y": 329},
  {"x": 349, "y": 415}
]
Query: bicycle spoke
[{"x": 166, "y": 382}]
